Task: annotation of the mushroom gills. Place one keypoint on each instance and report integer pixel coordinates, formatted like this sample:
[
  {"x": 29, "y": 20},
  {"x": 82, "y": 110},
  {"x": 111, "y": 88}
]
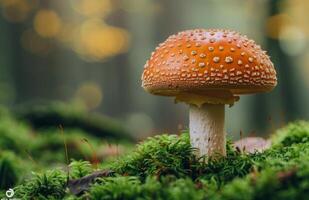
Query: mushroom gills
[{"x": 211, "y": 98}]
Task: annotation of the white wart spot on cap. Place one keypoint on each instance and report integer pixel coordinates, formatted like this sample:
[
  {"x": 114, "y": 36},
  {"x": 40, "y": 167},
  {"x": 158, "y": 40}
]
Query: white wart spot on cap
[
  {"x": 202, "y": 55},
  {"x": 228, "y": 59},
  {"x": 185, "y": 58},
  {"x": 216, "y": 59},
  {"x": 201, "y": 64},
  {"x": 212, "y": 40},
  {"x": 193, "y": 53}
]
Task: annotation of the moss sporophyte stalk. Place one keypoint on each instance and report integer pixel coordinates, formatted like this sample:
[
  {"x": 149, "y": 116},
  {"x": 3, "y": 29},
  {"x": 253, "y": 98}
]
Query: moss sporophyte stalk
[{"x": 166, "y": 167}]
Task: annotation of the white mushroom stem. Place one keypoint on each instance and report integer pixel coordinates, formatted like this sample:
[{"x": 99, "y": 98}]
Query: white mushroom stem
[{"x": 207, "y": 129}]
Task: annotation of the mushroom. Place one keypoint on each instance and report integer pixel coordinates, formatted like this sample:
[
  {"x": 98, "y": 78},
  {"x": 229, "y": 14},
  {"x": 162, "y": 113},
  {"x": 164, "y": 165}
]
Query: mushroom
[{"x": 208, "y": 69}]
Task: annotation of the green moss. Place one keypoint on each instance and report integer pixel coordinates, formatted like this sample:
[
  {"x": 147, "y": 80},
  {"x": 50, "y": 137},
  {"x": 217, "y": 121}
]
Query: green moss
[
  {"x": 230, "y": 177},
  {"x": 116, "y": 188},
  {"x": 10, "y": 171},
  {"x": 296, "y": 132},
  {"x": 280, "y": 173},
  {"x": 288, "y": 183},
  {"x": 225, "y": 169},
  {"x": 45, "y": 148},
  {"x": 131, "y": 187},
  {"x": 183, "y": 189},
  {"x": 48, "y": 147},
  {"x": 48, "y": 185},
  {"x": 72, "y": 116},
  {"x": 173, "y": 155},
  {"x": 160, "y": 155},
  {"x": 78, "y": 169},
  {"x": 14, "y": 136},
  {"x": 165, "y": 167}
]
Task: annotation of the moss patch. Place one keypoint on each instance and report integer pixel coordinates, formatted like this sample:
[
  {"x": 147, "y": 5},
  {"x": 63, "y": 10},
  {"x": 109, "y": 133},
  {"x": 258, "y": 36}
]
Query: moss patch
[
  {"x": 74, "y": 116},
  {"x": 164, "y": 167}
]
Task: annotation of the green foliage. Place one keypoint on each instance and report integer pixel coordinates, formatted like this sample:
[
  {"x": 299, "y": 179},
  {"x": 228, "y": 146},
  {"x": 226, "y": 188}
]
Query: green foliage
[
  {"x": 165, "y": 167},
  {"x": 160, "y": 155},
  {"x": 183, "y": 189},
  {"x": 296, "y": 132},
  {"x": 130, "y": 187},
  {"x": 49, "y": 146},
  {"x": 290, "y": 183},
  {"x": 78, "y": 169},
  {"x": 48, "y": 185},
  {"x": 10, "y": 171},
  {"x": 280, "y": 158},
  {"x": 116, "y": 188},
  {"x": 14, "y": 136},
  {"x": 42, "y": 148},
  {"x": 238, "y": 176},
  {"x": 173, "y": 155},
  {"x": 227, "y": 168},
  {"x": 282, "y": 172},
  {"x": 72, "y": 116}
]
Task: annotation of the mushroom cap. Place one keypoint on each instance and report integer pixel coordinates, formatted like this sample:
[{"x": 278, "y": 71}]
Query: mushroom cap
[{"x": 212, "y": 62}]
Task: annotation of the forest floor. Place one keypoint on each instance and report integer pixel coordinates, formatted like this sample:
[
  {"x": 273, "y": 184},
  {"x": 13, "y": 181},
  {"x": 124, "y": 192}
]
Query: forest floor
[{"x": 35, "y": 165}]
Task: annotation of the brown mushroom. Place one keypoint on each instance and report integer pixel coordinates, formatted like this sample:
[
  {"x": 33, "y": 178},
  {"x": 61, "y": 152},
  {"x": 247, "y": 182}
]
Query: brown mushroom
[{"x": 208, "y": 69}]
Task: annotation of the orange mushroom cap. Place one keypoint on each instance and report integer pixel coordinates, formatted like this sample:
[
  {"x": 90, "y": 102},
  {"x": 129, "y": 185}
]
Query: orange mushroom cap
[{"x": 209, "y": 65}]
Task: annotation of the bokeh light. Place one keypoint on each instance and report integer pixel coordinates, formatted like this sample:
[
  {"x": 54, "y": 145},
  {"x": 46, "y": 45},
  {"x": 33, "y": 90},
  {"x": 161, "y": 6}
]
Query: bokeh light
[
  {"x": 90, "y": 8},
  {"x": 90, "y": 94},
  {"x": 141, "y": 7},
  {"x": 139, "y": 124},
  {"x": 292, "y": 40},
  {"x": 35, "y": 44},
  {"x": 16, "y": 10},
  {"x": 298, "y": 10},
  {"x": 47, "y": 23},
  {"x": 96, "y": 40},
  {"x": 89, "y": 35},
  {"x": 274, "y": 25},
  {"x": 65, "y": 36}
]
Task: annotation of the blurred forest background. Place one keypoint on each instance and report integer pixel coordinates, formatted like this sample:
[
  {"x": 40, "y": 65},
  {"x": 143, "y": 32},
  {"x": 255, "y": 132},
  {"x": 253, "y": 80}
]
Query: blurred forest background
[{"x": 91, "y": 53}]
